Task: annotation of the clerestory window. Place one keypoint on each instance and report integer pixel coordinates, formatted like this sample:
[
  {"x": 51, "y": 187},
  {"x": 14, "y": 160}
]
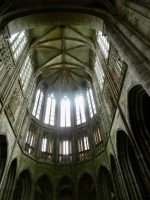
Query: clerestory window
[
  {"x": 50, "y": 110},
  {"x": 26, "y": 73},
  {"x": 99, "y": 73},
  {"x": 18, "y": 42},
  {"x": 91, "y": 103},
  {"x": 38, "y": 104},
  {"x": 80, "y": 112},
  {"x": 65, "y": 117},
  {"x": 104, "y": 45}
]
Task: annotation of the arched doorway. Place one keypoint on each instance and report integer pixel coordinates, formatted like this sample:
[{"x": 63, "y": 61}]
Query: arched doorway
[
  {"x": 65, "y": 189},
  {"x": 3, "y": 154},
  {"x": 139, "y": 109},
  {"x": 87, "y": 188},
  {"x": 43, "y": 189},
  {"x": 10, "y": 180},
  {"x": 130, "y": 168},
  {"x": 23, "y": 186},
  {"x": 105, "y": 185}
]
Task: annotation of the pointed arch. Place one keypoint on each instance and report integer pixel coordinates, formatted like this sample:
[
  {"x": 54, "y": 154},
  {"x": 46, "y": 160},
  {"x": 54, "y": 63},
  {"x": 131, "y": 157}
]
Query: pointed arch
[
  {"x": 65, "y": 189},
  {"x": 87, "y": 188},
  {"x": 139, "y": 109},
  {"x": 23, "y": 186},
  {"x": 105, "y": 183},
  {"x": 43, "y": 189},
  {"x": 10, "y": 180},
  {"x": 130, "y": 168},
  {"x": 118, "y": 185}
]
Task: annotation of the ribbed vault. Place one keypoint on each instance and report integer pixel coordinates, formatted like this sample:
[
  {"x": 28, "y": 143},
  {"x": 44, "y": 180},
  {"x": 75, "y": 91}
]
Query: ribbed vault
[{"x": 63, "y": 56}]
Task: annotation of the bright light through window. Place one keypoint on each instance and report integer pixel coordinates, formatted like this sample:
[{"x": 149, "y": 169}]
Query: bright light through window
[
  {"x": 99, "y": 73},
  {"x": 104, "y": 45},
  {"x": 38, "y": 104},
  {"x": 65, "y": 147},
  {"x": 50, "y": 110},
  {"x": 80, "y": 114},
  {"x": 91, "y": 103},
  {"x": 65, "y": 118}
]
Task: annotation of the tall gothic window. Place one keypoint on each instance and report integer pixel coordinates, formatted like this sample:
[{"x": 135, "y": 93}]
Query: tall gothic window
[
  {"x": 26, "y": 73},
  {"x": 18, "y": 42},
  {"x": 104, "y": 45},
  {"x": 80, "y": 113},
  {"x": 83, "y": 145},
  {"x": 91, "y": 103},
  {"x": 65, "y": 150},
  {"x": 50, "y": 110},
  {"x": 99, "y": 73},
  {"x": 65, "y": 118},
  {"x": 38, "y": 103}
]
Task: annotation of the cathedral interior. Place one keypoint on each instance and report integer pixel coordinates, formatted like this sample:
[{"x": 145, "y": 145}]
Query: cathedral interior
[{"x": 74, "y": 100}]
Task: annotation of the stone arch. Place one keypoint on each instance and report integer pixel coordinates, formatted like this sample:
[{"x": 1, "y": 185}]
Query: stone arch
[
  {"x": 10, "y": 180},
  {"x": 65, "y": 189},
  {"x": 87, "y": 188},
  {"x": 28, "y": 18},
  {"x": 139, "y": 109},
  {"x": 23, "y": 186},
  {"x": 130, "y": 168},
  {"x": 43, "y": 189},
  {"x": 116, "y": 178},
  {"x": 105, "y": 184},
  {"x": 3, "y": 154}
]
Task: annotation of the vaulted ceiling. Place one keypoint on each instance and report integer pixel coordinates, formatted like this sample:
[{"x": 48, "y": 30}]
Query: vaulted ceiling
[{"x": 63, "y": 56}]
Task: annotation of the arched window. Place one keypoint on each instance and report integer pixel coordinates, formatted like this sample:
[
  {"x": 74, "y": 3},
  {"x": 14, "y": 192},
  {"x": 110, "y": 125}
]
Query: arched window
[
  {"x": 80, "y": 113},
  {"x": 91, "y": 103},
  {"x": 50, "y": 110},
  {"x": 26, "y": 73},
  {"x": 18, "y": 42},
  {"x": 38, "y": 104},
  {"x": 65, "y": 118},
  {"x": 104, "y": 45}
]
